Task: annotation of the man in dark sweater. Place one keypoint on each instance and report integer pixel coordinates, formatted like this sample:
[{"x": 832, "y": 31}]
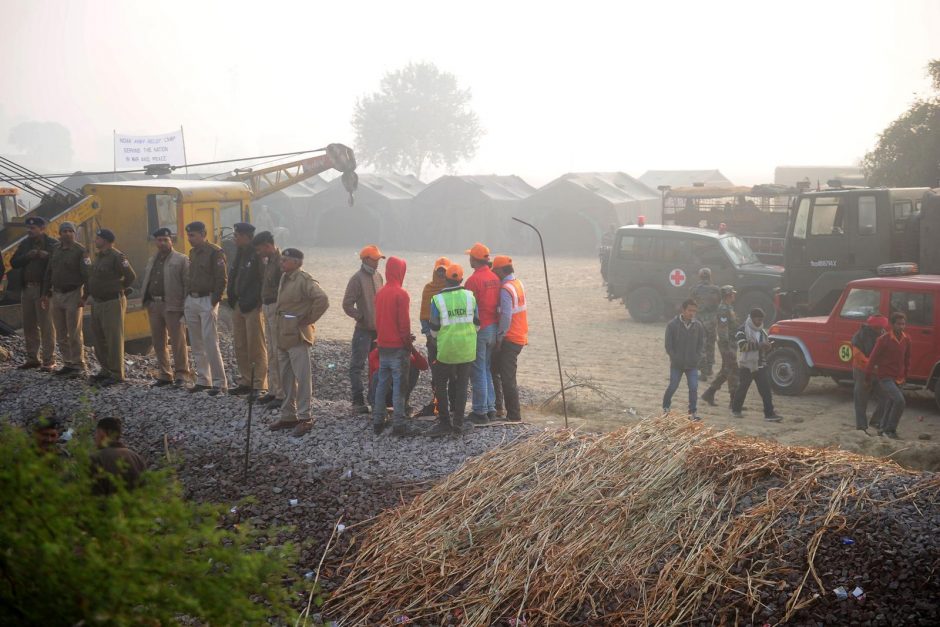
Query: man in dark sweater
[
  {"x": 685, "y": 345},
  {"x": 244, "y": 297},
  {"x": 889, "y": 363},
  {"x": 114, "y": 461}
]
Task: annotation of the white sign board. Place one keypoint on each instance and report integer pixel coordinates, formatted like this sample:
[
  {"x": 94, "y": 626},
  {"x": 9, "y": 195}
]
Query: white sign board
[{"x": 137, "y": 151}]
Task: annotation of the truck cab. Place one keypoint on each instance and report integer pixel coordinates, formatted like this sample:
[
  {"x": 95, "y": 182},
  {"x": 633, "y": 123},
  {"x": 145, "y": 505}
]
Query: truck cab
[
  {"x": 822, "y": 345},
  {"x": 837, "y": 235},
  {"x": 652, "y": 269}
]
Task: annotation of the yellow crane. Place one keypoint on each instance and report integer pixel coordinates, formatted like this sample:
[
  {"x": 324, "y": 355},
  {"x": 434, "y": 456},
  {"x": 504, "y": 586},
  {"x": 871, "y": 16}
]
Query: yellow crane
[{"x": 134, "y": 209}]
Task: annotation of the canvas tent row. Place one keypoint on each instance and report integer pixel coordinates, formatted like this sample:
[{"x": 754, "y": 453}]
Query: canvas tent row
[
  {"x": 684, "y": 178},
  {"x": 454, "y": 212},
  {"x": 574, "y": 210},
  {"x": 380, "y": 214}
]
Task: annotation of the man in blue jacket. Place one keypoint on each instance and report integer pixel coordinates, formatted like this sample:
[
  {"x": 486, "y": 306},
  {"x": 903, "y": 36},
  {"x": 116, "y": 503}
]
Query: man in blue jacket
[{"x": 685, "y": 345}]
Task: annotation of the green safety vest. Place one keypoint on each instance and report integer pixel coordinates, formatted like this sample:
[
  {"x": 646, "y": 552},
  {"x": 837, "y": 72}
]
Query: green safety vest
[{"x": 457, "y": 339}]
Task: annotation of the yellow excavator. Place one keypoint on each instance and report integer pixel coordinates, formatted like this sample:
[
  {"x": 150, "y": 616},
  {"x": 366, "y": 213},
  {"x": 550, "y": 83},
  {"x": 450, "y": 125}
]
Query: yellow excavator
[{"x": 135, "y": 209}]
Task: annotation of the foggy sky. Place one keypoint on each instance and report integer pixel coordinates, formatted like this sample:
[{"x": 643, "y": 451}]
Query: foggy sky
[{"x": 574, "y": 86}]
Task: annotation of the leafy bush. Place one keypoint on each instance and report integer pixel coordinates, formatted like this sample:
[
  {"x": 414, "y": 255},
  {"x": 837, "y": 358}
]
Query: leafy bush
[{"x": 145, "y": 556}]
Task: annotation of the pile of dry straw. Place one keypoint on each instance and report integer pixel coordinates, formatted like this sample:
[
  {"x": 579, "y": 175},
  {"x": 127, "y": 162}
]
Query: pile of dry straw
[{"x": 663, "y": 522}]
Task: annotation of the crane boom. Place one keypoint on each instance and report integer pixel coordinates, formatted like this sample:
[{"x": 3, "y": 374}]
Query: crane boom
[{"x": 274, "y": 178}]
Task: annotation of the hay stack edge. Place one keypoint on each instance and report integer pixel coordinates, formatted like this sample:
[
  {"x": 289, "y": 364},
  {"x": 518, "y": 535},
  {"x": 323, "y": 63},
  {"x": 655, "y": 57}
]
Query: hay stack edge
[{"x": 665, "y": 522}]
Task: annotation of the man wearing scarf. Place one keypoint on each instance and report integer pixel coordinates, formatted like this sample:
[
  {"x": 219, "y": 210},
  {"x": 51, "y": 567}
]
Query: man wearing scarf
[{"x": 753, "y": 346}]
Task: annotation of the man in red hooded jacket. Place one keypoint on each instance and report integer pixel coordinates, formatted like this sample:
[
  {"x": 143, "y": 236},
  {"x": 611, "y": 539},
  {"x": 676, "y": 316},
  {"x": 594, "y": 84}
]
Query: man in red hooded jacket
[{"x": 394, "y": 339}]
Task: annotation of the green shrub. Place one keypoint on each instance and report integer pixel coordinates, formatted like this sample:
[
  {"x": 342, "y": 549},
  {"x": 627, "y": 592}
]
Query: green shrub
[{"x": 145, "y": 556}]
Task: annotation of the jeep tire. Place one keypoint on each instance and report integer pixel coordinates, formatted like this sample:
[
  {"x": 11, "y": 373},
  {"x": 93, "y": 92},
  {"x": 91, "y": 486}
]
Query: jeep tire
[
  {"x": 788, "y": 372},
  {"x": 936, "y": 392},
  {"x": 645, "y": 305},
  {"x": 755, "y": 298}
]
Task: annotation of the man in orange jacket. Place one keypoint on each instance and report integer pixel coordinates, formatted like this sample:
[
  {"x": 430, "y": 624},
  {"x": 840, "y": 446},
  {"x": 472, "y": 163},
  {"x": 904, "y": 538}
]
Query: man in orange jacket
[
  {"x": 512, "y": 333},
  {"x": 889, "y": 363}
]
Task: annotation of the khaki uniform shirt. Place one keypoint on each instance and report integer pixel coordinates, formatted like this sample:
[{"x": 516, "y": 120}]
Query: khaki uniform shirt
[
  {"x": 116, "y": 459},
  {"x": 111, "y": 274},
  {"x": 67, "y": 270},
  {"x": 155, "y": 285},
  {"x": 207, "y": 271},
  {"x": 300, "y": 303}
]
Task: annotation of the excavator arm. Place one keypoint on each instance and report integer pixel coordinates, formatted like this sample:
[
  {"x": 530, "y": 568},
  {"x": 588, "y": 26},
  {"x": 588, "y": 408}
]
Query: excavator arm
[{"x": 271, "y": 179}]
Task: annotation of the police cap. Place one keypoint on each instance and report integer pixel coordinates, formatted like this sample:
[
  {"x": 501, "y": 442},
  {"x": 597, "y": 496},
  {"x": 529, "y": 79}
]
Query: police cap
[
  {"x": 244, "y": 228},
  {"x": 35, "y": 221},
  {"x": 292, "y": 253},
  {"x": 196, "y": 227},
  {"x": 106, "y": 234}
]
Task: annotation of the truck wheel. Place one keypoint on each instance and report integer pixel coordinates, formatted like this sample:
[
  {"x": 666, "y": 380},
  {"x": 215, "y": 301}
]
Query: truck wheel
[
  {"x": 788, "y": 372},
  {"x": 645, "y": 304},
  {"x": 749, "y": 300}
]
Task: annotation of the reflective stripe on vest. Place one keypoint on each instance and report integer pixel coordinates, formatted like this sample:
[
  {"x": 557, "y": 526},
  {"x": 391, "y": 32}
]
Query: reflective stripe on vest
[
  {"x": 457, "y": 339},
  {"x": 518, "y": 332}
]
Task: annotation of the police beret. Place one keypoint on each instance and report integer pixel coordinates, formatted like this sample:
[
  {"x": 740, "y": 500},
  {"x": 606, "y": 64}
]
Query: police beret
[
  {"x": 106, "y": 234},
  {"x": 67, "y": 226},
  {"x": 244, "y": 228},
  {"x": 162, "y": 232},
  {"x": 35, "y": 221},
  {"x": 292, "y": 253},
  {"x": 264, "y": 237},
  {"x": 196, "y": 227}
]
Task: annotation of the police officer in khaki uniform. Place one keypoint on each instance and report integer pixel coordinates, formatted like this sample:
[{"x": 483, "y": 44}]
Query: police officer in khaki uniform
[
  {"x": 300, "y": 303},
  {"x": 64, "y": 293},
  {"x": 164, "y": 288},
  {"x": 244, "y": 297},
  {"x": 271, "y": 278},
  {"x": 110, "y": 277},
  {"x": 727, "y": 326},
  {"x": 31, "y": 259},
  {"x": 207, "y": 280}
]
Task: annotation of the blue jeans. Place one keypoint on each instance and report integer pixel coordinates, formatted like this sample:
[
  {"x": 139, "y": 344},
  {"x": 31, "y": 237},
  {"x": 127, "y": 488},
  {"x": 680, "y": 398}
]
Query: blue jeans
[
  {"x": 484, "y": 394},
  {"x": 675, "y": 376},
  {"x": 361, "y": 346},
  {"x": 391, "y": 367}
]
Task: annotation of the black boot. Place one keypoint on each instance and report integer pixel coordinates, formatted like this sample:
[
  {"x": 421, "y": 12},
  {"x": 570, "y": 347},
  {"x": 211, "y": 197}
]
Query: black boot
[
  {"x": 709, "y": 397},
  {"x": 441, "y": 429},
  {"x": 359, "y": 404}
]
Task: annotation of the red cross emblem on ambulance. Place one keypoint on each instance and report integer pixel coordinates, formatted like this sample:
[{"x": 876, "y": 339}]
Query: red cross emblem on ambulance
[{"x": 677, "y": 277}]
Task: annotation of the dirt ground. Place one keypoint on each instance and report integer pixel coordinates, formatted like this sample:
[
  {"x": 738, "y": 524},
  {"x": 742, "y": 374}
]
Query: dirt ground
[{"x": 603, "y": 348}]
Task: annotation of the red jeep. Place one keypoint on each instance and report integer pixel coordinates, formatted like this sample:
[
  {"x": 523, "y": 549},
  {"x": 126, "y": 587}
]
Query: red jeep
[{"x": 821, "y": 346}]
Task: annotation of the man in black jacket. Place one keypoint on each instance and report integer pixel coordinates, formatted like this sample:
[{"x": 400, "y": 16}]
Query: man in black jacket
[
  {"x": 244, "y": 297},
  {"x": 685, "y": 345}
]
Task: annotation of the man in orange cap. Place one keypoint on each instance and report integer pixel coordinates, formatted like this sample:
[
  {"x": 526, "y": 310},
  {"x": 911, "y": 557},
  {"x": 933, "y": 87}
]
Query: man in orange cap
[
  {"x": 359, "y": 304},
  {"x": 512, "y": 333},
  {"x": 454, "y": 323},
  {"x": 485, "y": 287},
  {"x": 432, "y": 289}
]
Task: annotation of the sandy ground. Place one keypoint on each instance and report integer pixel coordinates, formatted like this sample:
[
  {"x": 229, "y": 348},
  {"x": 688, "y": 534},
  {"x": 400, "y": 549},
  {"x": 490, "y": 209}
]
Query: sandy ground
[{"x": 602, "y": 346}]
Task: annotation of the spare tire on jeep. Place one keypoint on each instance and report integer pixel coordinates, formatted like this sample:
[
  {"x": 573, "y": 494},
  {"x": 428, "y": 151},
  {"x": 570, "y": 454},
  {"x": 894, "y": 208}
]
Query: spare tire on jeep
[{"x": 645, "y": 304}]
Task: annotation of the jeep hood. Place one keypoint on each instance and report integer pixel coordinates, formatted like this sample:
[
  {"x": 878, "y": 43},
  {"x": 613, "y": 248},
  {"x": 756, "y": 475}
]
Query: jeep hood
[{"x": 793, "y": 327}]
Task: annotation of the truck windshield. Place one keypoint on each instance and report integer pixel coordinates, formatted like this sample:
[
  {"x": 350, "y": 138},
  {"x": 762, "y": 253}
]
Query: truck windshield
[{"x": 738, "y": 250}]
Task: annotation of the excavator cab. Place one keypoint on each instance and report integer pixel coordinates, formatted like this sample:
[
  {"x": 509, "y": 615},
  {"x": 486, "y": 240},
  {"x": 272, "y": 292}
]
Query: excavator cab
[{"x": 9, "y": 210}]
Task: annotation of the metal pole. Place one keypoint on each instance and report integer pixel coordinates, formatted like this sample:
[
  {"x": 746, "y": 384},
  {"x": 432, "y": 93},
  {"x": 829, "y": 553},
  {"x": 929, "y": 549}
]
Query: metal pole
[
  {"x": 551, "y": 313},
  {"x": 185, "y": 160},
  {"x": 251, "y": 403}
]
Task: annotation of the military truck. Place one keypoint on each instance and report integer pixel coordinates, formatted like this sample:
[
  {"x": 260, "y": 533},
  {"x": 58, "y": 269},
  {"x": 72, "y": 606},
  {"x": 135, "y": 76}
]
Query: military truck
[
  {"x": 652, "y": 269},
  {"x": 838, "y": 235}
]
